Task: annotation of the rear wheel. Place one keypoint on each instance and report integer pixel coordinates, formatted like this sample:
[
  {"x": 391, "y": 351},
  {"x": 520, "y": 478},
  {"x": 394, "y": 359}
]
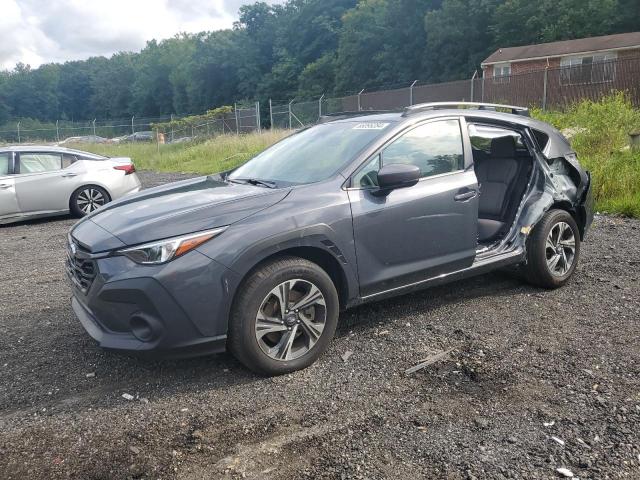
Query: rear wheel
[
  {"x": 553, "y": 250},
  {"x": 87, "y": 199},
  {"x": 284, "y": 316}
]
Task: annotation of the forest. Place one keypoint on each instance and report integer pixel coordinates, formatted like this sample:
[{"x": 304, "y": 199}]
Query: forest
[{"x": 302, "y": 49}]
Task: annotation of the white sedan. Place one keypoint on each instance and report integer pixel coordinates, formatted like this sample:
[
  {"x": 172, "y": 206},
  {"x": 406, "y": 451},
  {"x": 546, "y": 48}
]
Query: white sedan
[{"x": 42, "y": 181}]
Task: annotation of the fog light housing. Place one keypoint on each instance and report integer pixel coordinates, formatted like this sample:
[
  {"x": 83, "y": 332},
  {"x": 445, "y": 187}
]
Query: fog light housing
[{"x": 144, "y": 328}]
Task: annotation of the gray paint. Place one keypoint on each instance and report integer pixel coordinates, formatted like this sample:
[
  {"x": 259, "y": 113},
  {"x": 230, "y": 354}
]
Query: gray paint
[{"x": 382, "y": 244}]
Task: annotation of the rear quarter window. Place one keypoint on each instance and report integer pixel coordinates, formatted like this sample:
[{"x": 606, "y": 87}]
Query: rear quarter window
[{"x": 541, "y": 139}]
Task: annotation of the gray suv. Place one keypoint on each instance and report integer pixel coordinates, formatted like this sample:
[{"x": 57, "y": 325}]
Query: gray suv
[{"x": 363, "y": 206}]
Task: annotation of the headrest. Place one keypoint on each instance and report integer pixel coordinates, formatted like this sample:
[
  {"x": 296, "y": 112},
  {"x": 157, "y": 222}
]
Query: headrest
[{"x": 503, "y": 147}]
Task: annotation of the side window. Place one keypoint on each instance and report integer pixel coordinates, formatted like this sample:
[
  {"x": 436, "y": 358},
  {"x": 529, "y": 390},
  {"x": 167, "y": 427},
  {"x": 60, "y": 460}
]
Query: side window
[
  {"x": 67, "y": 160},
  {"x": 40, "y": 162},
  {"x": 368, "y": 174},
  {"x": 435, "y": 148},
  {"x": 481, "y": 137},
  {"x": 4, "y": 164}
]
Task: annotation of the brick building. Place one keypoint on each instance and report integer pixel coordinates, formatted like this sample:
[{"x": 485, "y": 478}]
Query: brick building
[
  {"x": 585, "y": 60},
  {"x": 560, "y": 73}
]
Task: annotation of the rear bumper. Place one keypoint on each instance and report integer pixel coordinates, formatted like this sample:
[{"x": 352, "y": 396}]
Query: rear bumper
[
  {"x": 175, "y": 310},
  {"x": 126, "y": 186},
  {"x": 585, "y": 208}
]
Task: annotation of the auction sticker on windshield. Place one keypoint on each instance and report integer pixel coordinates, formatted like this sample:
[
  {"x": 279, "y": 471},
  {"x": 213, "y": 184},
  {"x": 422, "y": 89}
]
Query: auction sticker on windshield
[{"x": 371, "y": 126}]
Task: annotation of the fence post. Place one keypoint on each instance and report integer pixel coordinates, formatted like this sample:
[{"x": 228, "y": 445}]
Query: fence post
[
  {"x": 320, "y": 107},
  {"x": 235, "y": 108},
  {"x": 172, "y": 128},
  {"x": 271, "y": 113},
  {"x": 57, "y": 132},
  {"x": 290, "y": 114},
  {"x": 544, "y": 90},
  {"x": 133, "y": 129},
  {"x": 411, "y": 92},
  {"x": 18, "y": 132},
  {"x": 258, "y": 123},
  {"x": 482, "y": 100},
  {"x": 94, "y": 127},
  {"x": 359, "y": 104},
  {"x": 473, "y": 78}
]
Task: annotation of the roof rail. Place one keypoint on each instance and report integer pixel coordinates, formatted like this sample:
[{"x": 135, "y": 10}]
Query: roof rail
[
  {"x": 422, "y": 107},
  {"x": 329, "y": 117}
]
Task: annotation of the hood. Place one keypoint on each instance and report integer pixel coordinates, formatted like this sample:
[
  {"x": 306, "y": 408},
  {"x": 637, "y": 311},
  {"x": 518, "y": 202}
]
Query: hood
[{"x": 176, "y": 209}]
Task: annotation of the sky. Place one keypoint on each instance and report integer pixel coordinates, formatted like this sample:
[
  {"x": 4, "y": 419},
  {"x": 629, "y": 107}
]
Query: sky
[{"x": 44, "y": 31}]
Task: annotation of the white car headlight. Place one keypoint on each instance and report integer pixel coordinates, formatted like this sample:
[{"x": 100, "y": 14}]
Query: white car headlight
[{"x": 164, "y": 251}]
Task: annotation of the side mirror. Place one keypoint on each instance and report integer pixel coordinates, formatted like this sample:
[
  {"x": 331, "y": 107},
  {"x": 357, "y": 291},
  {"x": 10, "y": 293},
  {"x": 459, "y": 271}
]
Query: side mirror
[{"x": 397, "y": 175}]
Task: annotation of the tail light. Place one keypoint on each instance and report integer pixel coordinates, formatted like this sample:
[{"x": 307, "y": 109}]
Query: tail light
[{"x": 127, "y": 169}]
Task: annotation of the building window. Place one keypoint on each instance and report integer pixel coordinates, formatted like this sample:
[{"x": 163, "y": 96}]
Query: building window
[
  {"x": 580, "y": 70},
  {"x": 501, "y": 73}
]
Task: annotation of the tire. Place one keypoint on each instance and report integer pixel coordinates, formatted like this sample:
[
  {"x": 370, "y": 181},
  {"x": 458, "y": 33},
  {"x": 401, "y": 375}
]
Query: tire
[
  {"x": 261, "y": 345},
  {"x": 86, "y": 199},
  {"x": 543, "y": 249}
]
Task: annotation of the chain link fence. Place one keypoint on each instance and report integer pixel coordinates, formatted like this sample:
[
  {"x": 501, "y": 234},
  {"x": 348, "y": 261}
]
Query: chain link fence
[
  {"x": 244, "y": 118},
  {"x": 552, "y": 88}
]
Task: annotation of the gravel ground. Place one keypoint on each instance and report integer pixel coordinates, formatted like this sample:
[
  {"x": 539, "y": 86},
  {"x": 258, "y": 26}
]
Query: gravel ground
[{"x": 538, "y": 380}]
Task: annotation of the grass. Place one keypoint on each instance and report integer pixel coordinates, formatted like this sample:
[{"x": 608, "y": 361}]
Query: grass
[
  {"x": 215, "y": 155},
  {"x": 601, "y": 143}
]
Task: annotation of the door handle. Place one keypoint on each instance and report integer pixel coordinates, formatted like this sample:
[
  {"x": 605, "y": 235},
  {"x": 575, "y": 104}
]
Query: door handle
[
  {"x": 69, "y": 175},
  {"x": 465, "y": 195},
  {"x": 4, "y": 186}
]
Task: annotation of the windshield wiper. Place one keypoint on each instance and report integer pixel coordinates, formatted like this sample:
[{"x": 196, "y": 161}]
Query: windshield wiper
[{"x": 253, "y": 181}]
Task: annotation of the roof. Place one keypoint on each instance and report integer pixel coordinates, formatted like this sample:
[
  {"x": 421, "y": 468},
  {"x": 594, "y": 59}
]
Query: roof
[
  {"x": 37, "y": 148},
  {"x": 46, "y": 148},
  {"x": 557, "y": 146},
  {"x": 565, "y": 47}
]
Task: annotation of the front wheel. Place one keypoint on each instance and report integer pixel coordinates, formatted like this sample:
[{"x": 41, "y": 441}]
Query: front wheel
[
  {"x": 284, "y": 317},
  {"x": 87, "y": 199},
  {"x": 553, "y": 250}
]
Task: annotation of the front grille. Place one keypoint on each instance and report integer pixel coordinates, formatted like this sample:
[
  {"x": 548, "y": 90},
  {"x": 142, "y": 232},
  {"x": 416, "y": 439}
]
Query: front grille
[{"x": 80, "y": 268}]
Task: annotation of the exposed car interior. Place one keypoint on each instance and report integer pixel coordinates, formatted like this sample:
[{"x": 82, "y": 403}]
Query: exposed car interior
[{"x": 503, "y": 166}]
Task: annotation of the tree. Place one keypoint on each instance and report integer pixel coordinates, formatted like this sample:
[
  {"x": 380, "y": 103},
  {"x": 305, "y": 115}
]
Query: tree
[
  {"x": 522, "y": 22},
  {"x": 457, "y": 38}
]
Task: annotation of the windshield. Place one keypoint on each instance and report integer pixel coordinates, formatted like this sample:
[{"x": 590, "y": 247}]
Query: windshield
[{"x": 313, "y": 154}]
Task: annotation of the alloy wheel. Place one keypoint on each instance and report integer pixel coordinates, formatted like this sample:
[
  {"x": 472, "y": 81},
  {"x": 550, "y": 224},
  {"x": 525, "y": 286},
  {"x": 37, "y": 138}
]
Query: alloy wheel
[
  {"x": 290, "y": 320},
  {"x": 90, "y": 199},
  {"x": 560, "y": 249}
]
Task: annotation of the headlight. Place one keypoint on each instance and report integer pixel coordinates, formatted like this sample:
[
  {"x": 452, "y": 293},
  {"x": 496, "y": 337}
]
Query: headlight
[{"x": 164, "y": 251}]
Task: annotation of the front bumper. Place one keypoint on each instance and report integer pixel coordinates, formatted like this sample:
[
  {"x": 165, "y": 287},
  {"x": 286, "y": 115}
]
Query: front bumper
[{"x": 175, "y": 310}]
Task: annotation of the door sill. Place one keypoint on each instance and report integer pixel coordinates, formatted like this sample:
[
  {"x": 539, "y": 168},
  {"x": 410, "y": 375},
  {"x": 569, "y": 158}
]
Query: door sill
[{"x": 481, "y": 265}]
